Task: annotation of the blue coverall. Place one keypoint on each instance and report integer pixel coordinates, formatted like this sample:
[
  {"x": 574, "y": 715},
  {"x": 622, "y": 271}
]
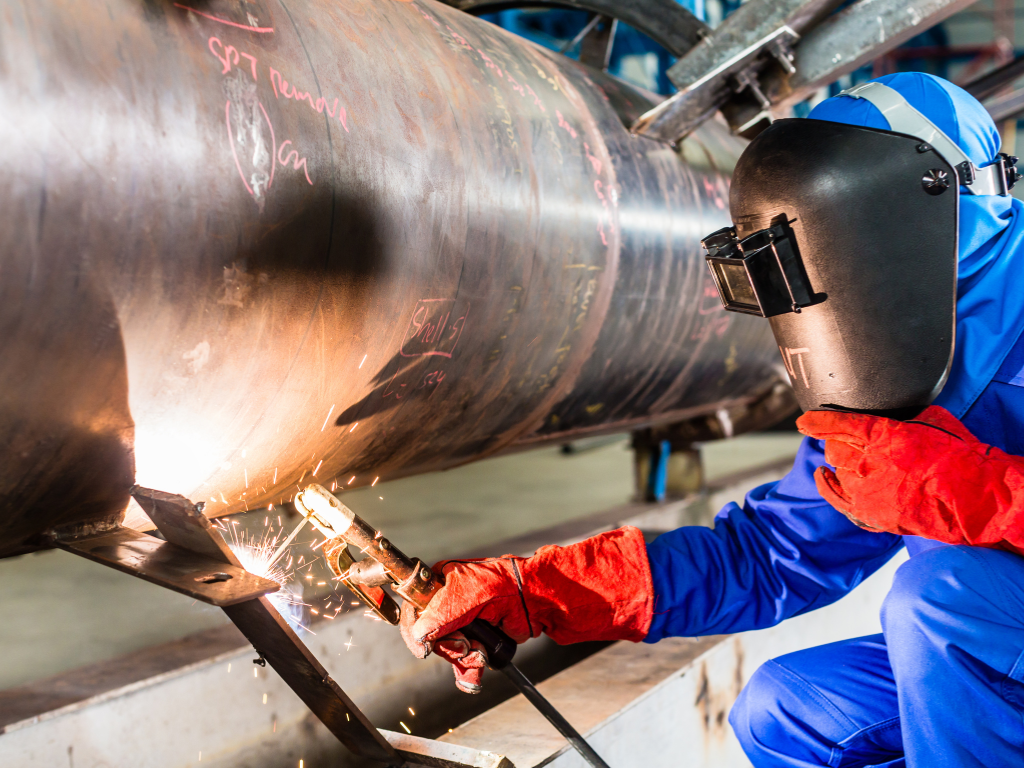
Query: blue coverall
[{"x": 943, "y": 685}]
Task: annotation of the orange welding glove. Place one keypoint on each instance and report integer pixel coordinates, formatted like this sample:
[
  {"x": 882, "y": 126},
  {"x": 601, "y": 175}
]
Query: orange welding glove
[
  {"x": 598, "y": 589},
  {"x": 927, "y": 477}
]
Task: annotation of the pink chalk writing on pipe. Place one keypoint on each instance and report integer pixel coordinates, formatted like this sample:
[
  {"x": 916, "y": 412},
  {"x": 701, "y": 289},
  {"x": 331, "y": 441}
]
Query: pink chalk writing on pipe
[
  {"x": 434, "y": 328},
  {"x": 296, "y": 162},
  {"x": 260, "y": 30},
  {"x": 228, "y": 56},
  {"x": 283, "y": 88},
  {"x": 563, "y": 124}
]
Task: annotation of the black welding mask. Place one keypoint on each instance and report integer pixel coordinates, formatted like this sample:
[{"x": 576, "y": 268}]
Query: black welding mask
[{"x": 845, "y": 238}]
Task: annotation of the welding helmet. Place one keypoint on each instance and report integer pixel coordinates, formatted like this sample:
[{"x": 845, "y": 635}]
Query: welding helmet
[{"x": 845, "y": 238}]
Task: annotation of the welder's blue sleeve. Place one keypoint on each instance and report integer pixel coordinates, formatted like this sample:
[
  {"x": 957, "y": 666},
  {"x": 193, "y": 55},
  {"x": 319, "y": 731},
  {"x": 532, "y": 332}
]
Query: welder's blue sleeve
[{"x": 783, "y": 553}]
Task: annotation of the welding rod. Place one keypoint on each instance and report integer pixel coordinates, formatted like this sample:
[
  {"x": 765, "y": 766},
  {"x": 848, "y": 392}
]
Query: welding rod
[
  {"x": 500, "y": 649},
  {"x": 289, "y": 540}
]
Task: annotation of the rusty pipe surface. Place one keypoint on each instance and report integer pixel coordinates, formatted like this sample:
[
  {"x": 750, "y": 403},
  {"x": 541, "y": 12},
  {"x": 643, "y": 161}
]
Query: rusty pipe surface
[{"x": 248, "y": 243}]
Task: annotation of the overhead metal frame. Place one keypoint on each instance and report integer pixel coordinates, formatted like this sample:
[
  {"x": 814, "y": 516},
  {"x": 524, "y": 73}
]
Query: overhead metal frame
[{"x": 747, "y": 56}]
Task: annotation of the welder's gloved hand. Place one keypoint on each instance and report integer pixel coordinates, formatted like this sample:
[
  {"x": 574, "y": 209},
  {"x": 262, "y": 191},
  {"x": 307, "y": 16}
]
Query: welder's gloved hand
[
  {"x": 598, "y": 589},
  {"x": 927, "y": 477}
]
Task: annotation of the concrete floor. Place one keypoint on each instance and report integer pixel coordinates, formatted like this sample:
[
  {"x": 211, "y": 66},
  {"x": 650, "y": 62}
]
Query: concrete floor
[{"x": 62, "y": 612}]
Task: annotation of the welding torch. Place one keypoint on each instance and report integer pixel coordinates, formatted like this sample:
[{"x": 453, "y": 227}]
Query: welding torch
[{"x": 412, "y": 580}]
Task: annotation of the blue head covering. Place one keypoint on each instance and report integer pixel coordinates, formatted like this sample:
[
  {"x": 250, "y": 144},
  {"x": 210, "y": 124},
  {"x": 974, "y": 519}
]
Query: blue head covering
[{"x": 990, "y": 288}]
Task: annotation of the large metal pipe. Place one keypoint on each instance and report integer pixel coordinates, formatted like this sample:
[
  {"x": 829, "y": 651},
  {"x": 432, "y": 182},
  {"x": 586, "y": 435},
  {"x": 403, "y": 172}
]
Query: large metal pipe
[{"x": 246, "y": 242}]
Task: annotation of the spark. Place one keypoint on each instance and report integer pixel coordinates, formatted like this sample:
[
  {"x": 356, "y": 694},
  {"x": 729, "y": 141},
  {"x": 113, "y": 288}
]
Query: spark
[
  {"x": 353, "y": 427},
  {"x": 404, "y": 726},
  {"x": 314, "y": 611},
  {"x": 317, "y": 467},
  {"x": 266, "y": 521},
  {"x": 315, "y": 548},
  {"x": 350, "y": 480},
  {"x": 328, "y": 418},
  {"x": 260, "y": 555},
  {"x": 275, "y": 474},
  {"x": 246, "y": 471},
  {"x": 278, "y": 517},
  {"x": 229, "y": 668},
  {"x": 381, "y": 498},
  {"x": 255, "y": 673},
  {"x": 329, "y": 617},
  {"x": 303, "y": 475},
  {"x": 347, "y": 717},
  {"x": 223, "y": 500},
  {"x": 300, "y": 764},
  {"x": 328, "y": 602},
  {"x": 264, "y": 698},
  {"x": 349, "y": 644},
  {"x": 275, "y": 727},
  {"x": 410, "y": 712},
  {"x": 354, "y": 602},
  {"x": 374, "y": 482},
  {"x": 200, "y": 757},
  {"x": 363, "y": 361},
  {"x": 334, "y": 485},
  {"x": 321, "y": 583}
]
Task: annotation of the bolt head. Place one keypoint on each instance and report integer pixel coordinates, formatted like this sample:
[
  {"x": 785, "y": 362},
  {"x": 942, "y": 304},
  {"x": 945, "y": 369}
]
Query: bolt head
[{"x": 935, "y": 181}]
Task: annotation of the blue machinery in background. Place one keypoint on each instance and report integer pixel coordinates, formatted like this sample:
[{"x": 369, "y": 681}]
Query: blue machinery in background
[{"x": 641, "y": 61}]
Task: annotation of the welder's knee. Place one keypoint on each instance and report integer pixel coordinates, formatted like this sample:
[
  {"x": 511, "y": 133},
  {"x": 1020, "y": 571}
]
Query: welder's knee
[{"x": 773, "y": 719}]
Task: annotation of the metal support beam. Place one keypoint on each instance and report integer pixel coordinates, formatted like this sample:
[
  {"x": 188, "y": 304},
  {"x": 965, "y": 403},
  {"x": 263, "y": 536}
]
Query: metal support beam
[
  {"x": 854, "y": 37},
  {"x": 596, "y": 45},
  {"x": 725, "y": 64},
  {"x": 183, "y": 524},
  {"x": 436, "y": 754},
  {"x": 991, "y": 83},
  {"x": 738, "y": 61},
  {"x": 182, "y": 570}
]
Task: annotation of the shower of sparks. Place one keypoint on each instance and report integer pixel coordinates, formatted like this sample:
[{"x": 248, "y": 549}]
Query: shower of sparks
[
  {"x": 317, "y": 467},
  {"x": 374, "y": 482},
  {"x": 261, "y": 555},
  {"x": 328, "y": 418},
  {"x": 363, "y": 360},
  {"x": 353, "y": 427}
]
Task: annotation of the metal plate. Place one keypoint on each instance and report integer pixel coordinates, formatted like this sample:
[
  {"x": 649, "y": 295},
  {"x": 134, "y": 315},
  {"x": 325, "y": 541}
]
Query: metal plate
[{"x": 204, "y": 578}]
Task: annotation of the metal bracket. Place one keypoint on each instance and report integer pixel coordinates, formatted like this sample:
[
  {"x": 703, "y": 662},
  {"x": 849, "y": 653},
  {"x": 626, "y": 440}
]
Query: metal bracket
[
  {"x": 196, "y": 561},
  {"x": 205, "y": 578},
  {"x": 183, "y": 525}
]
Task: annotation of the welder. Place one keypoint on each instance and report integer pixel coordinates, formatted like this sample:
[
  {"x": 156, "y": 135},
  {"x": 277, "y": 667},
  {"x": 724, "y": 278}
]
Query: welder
[{"x": 943, "y": 684}]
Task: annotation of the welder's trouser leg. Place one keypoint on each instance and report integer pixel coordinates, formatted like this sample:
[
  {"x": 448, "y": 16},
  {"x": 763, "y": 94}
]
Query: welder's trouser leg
[{"x": 942, "y": 687}]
